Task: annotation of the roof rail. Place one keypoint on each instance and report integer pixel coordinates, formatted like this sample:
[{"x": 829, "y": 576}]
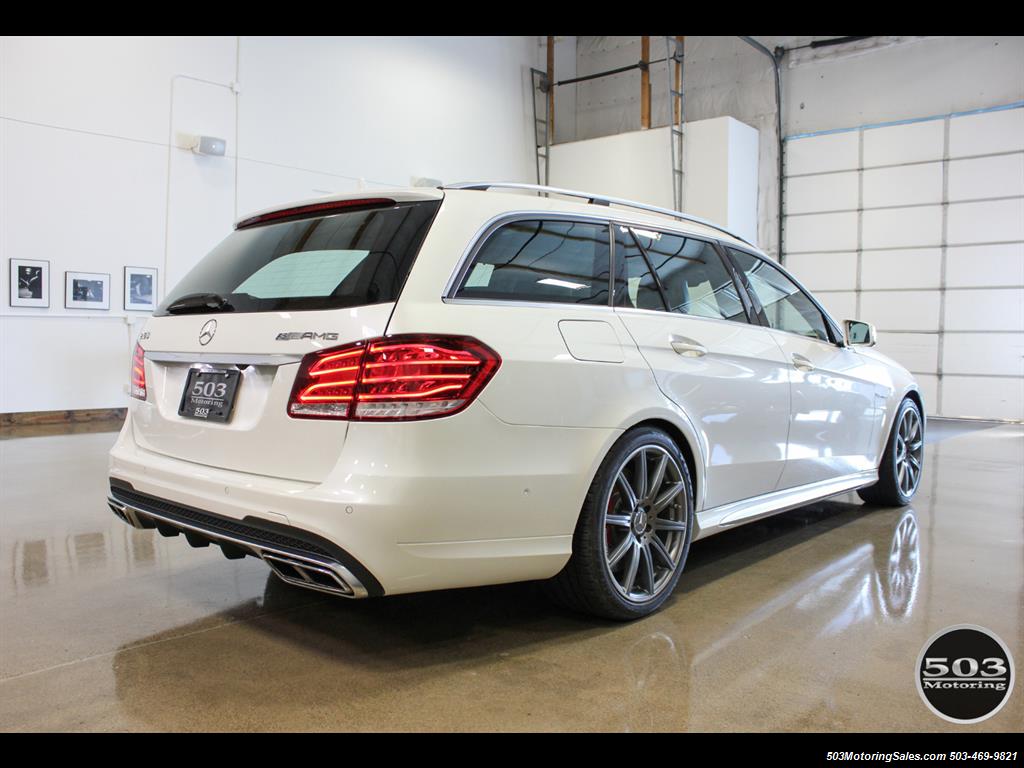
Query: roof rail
[{"x": 595, "y": 200}]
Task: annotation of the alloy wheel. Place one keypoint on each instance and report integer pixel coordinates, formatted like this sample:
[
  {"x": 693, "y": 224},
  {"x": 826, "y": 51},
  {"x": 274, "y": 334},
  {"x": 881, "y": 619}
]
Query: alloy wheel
[
  {"x": 909, "y": 452},
  {"x": 645, "y": 523}
]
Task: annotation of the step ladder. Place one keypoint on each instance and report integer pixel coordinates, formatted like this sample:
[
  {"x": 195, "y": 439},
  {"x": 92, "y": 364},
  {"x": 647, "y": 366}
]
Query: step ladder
[
  {"x": 541, "y": 137},
  {"x": 673, "y": 65}
]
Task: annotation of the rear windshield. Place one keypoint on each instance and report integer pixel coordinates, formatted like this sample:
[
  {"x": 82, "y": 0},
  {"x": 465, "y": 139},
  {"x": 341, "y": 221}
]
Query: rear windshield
[{"x": 349, "y": 259}]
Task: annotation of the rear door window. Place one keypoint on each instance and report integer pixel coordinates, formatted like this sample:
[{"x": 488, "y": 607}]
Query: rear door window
[
  {"x": 353, "y": 258},
  {"x": 565, "y": 262},
  {"x": 635, "y": 286},
  {"x": 693, "y": 276}
]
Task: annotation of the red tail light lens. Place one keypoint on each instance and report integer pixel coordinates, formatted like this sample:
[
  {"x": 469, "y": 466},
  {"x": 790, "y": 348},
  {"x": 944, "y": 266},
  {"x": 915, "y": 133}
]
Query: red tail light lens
[
  {"x": 138, "y": 377},
  {"x": 394, "y": 378}
]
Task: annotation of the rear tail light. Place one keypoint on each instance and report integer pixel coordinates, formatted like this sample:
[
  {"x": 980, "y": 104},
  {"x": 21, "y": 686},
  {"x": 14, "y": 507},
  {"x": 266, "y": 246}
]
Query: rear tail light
[
  {"x": 138, "y": 377},
  {"x": 394, "y": 378}
]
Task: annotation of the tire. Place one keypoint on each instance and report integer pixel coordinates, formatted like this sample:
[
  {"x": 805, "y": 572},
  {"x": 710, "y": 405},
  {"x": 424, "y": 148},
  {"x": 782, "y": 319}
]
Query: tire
[
  {"x": 899, "y": 473},
  {"x": 642, "y": 538}
]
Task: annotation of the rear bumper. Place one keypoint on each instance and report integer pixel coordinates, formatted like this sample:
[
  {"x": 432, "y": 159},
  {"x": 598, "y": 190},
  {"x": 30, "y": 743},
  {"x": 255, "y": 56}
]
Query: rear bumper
[
  {"x": 455, "y": 502},
  {"x": 295, "y": 555}
]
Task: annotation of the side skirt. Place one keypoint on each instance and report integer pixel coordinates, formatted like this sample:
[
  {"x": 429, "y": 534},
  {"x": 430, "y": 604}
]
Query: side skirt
[{"x": 718, "y": 519}]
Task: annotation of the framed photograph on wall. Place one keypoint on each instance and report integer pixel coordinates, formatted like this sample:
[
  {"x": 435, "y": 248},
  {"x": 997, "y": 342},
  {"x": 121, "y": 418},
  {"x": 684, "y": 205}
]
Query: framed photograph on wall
[
  {"x": 140, "y": 289},
  {"x": 30, "y": 283},
  {"x": 86, "y": 290}
]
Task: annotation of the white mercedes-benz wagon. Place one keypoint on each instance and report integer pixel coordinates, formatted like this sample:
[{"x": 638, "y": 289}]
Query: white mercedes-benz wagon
[{"x": 436, "y": 388}]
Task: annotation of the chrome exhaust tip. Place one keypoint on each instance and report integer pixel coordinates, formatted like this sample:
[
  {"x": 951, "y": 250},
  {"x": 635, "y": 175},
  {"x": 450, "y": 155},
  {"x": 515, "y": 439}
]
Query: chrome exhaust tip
[
  {"x": 125, "y": 513},
  {"x": 308, "y": 574}
]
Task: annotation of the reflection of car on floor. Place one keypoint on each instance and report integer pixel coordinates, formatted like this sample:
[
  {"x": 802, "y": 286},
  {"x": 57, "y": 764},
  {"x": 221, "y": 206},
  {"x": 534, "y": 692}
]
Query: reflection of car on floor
[
  {"x": 454, "y": 387},
  {"x": 870, "y": 584}
]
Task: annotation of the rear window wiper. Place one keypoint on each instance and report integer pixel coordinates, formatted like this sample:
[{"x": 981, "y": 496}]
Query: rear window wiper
[{"x": 200, "y": 303}]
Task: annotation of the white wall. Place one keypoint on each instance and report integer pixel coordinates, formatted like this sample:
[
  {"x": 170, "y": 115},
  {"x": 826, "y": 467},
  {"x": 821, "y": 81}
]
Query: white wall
[
  {"x": 94, "y": 176},
  {"x": 719, "y": 170}
]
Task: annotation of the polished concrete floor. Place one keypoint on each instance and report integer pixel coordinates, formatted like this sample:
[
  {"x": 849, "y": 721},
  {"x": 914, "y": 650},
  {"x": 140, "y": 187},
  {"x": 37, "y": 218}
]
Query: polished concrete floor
[{"x": 812, "y": 620}]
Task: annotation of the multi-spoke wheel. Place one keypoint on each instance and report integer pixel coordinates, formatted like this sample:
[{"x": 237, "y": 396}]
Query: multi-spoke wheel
[
  {"x": 899, "y": 473},
  {"x": 634, "y": 530}
]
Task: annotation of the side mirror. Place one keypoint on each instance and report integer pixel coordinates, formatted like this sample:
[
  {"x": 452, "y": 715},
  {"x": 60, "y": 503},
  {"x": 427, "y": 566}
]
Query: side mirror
[{"x": 859, "y": 334}]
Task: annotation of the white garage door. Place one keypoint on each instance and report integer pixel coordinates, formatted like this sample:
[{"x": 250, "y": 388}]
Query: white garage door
[{"x": 918, "y": 227}]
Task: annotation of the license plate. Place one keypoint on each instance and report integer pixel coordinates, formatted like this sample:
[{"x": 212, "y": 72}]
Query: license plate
[{"x": 209, "y": 394}]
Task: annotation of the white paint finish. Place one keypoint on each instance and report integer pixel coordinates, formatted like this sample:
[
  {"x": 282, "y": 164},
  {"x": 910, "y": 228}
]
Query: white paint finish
[
  {"x": 898, "y": 144},
  {"x": 541, "y": 428},
  {"x": 989, "y": 132},
  {"x": 728, "y": 393},
  {"x": 821, "y": 232},
  {"x": 973, "y": 265},
  {"x": 827, "y": 192},
  {"x": 84, "y": 203},
  {"x": 833, "y": 414},
  {"x": 1000, "y": 354},
  {"x": 901, "y": 310},
  {"x": 635, "y": 166},
  {"x": 842, "y": 305},
  {"x": 904, "y": 185},
  {"x": 117, "y": 86},
  {"x": 591, "y": 340},
  {"x": 818, "y": 154},
  {"x": 201, "y": 210},
  {"x": 982, "y": 177},
  {"x": 917, "y": 352},
  {"x": 985, "y": 310},
  {"x": 260, "y": 417},
  {"x": 904, "y": 268},
  {"x": 983, "y": 398},
  {"x": 902, "y": 227},
  {"x": 824, "y": 271},
  {"x": 452, "y": 108},
  {"x": 987, "y": 222},
  {"x": 70, "y": 361}
]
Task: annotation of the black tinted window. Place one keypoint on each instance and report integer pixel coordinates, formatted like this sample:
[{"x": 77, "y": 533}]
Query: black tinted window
[
  {"x": 559, "y": 261},
  {"x": 695, "y": 280},
  {"x": 634, "y": 283},
  {"x": 350, "y": 259},
  {"x": 785, "y": 305}
]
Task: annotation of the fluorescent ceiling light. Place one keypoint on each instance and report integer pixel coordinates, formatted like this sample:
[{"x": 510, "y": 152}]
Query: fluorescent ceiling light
[{"x": 561, "y": 283}]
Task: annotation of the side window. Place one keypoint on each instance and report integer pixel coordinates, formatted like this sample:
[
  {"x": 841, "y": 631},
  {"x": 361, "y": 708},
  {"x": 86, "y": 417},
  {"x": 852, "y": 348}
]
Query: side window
[
  {"x": 786, "y": 306},
  {"x": 634, "y": 283},
  {"x": 549, "y": 261},
  {"x": 695, "y": 280}
]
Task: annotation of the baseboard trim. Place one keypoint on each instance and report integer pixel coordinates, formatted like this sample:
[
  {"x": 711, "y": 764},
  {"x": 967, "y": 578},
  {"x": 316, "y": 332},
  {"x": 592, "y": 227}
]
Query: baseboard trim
[{"x": 81, "y": 416}]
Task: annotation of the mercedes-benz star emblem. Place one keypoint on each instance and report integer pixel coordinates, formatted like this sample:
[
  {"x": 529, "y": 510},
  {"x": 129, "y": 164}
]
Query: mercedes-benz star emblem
[{"x": 206, "y": 332}]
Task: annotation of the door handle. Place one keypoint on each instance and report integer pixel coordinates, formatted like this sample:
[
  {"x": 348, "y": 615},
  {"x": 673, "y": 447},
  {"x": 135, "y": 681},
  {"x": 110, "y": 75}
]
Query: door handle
[
  {"x": 802, "y": 363},
  {"x": 687, "y": 347}
]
